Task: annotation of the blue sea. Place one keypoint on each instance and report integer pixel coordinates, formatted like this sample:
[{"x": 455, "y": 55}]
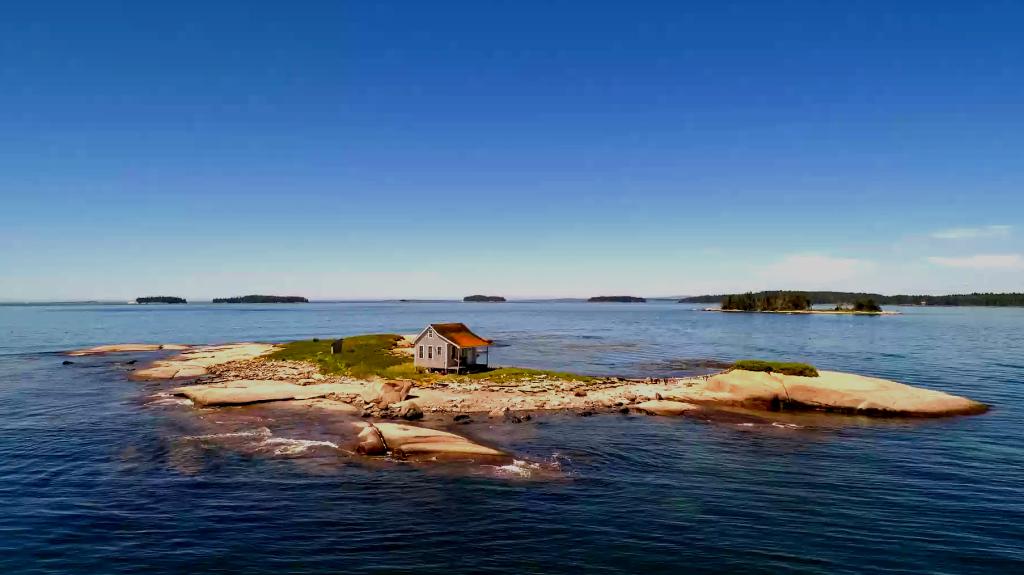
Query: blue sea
[{"x": 101, "y": 474}]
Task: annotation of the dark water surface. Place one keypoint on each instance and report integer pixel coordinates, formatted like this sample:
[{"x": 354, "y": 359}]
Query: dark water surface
[{"x": 97, "y": 476}]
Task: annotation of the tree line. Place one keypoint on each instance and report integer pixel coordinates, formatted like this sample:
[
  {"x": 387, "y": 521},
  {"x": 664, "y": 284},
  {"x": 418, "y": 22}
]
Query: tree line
[
  {"x": 767, "y": 301},
  {"x": 837, "y": 297},
  {"x": 262, "y": 299},
  {"x": 160, "y": 299}
]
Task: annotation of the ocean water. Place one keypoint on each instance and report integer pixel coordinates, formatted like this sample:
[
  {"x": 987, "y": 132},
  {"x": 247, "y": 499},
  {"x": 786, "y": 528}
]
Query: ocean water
[{"x": 102, "y": 474}]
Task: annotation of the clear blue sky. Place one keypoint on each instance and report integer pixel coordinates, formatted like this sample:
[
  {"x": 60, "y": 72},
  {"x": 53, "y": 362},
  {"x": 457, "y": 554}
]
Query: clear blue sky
[{"x": 434, "y": 149}]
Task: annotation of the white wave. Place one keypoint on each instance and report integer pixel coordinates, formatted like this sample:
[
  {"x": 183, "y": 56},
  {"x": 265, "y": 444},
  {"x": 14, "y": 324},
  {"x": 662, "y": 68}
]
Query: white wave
[
  {"x": 295, "y": 446},
  {"x": 557, "y": 458},
  {"x": 260, "y": 432},
  {"x": 518, "y": 467},
  {"x": 170, "y": 401},
  {"x": 786, "y": 425}
]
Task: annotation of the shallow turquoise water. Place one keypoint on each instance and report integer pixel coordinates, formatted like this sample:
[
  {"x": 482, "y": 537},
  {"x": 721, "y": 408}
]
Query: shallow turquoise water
[{"x": 96, "y": 479}]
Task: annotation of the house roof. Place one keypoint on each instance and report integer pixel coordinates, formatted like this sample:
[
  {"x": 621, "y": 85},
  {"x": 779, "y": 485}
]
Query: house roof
[{"x": 460, "y": 335}]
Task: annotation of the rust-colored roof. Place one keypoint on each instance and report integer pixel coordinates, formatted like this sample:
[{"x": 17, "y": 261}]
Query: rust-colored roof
[{"x": 460, "y": 335}]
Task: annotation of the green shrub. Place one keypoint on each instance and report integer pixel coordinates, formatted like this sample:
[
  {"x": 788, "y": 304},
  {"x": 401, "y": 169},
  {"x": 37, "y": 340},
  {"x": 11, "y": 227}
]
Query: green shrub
[
  {"x": 866, "y": 304},
  {"x": 785, "y": 368},
  {"x": 402, "y": 371}
]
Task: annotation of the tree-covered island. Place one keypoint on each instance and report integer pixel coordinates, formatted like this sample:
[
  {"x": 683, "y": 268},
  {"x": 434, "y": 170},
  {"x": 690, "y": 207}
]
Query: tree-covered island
[
  {"x": 262, "y": 299},
  {"x": 617, "y": 298},
  {"x": 839, "y": 297},
  {"x": 484, "y": 298},
  {"x": 160, "y": 299},
  {"x": 793, "y": 302},
  {"x": 771, "y": 301}
]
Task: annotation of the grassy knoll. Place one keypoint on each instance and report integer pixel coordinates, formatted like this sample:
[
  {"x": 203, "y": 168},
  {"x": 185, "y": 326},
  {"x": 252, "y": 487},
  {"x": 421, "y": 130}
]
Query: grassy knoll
[
  {"x": 361, "y": 356},
  {"x": 785, "y": 368},
  {"x": 370, "y": 355}
]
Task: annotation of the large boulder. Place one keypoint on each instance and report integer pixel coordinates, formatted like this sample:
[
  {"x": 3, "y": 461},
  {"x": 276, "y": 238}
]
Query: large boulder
[
  {"x": 384, "y": 393},
  {"x": 370, "y": 441},
  {"x": 408, "y": 409},
  {"x": 408, "y": 440},
  {"x": 831, "y": 391}
]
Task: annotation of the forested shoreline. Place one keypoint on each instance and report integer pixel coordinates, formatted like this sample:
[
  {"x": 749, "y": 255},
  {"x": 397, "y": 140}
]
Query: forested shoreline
[{"x": 836, "y": 297}]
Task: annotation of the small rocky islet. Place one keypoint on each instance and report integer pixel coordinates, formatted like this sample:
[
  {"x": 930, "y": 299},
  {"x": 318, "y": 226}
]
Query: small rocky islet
[{"x": 382, "y": 410}]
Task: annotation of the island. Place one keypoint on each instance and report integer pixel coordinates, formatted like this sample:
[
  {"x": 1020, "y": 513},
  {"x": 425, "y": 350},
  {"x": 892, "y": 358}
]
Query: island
[
  {"x": 770, "y": 301},
  {"x": 262, "y": 299},
  {"x": 794, "y": 303},
  {"x": 374, "y": 390},
  {"x": 484, "y": 298},
  {"x": 376, "y": 377},
  {"x": 160, "y": 299},
  {"x": 840, "y": 298},
  {"x": 617, "y": 299}
]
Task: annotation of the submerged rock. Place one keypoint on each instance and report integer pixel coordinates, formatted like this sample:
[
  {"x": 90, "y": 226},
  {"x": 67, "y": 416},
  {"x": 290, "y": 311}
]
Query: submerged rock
[
  {"x": 665, "y": 407},
  {"x": 127, "y": 347}
]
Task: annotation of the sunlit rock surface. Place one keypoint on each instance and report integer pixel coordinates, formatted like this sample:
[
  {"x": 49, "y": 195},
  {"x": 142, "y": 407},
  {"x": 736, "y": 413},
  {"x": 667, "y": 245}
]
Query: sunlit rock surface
[
  {"x": 830, "y": 391},
  {"x": 410, "y": 440},
  {"x": 247, "y": 391},
  {"x": 195, "y": 361}
]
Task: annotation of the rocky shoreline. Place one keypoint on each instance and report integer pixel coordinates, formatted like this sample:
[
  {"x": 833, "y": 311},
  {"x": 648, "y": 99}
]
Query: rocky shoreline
[{"x": 220, "y": 376}]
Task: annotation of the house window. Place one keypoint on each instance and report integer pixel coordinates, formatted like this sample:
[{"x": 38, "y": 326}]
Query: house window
[
  {"x": 430, "y": 333},
  {"x": 421, "y": 352},
  {"x": 430, "y": 353},
  {"x": 439, "y": 352}
]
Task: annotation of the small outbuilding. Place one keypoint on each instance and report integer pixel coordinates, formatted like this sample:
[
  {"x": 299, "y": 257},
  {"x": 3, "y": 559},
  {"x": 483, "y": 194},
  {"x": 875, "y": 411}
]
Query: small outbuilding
[{"x": 450, "y": 347}]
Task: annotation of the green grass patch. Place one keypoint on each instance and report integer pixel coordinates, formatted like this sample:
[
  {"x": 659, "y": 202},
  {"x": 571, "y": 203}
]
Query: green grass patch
[
  {"x": 512, "y": 374},
  {"x": 361, "y": 356},
  {"x": 785, "y": 368}
]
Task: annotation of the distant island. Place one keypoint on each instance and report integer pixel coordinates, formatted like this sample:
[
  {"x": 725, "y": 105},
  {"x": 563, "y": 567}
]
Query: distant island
[
  {"x": 160, "y": 299},
  {"x": 771, "y": 301},
  {"x": 793, "y": 302},
  {"x": 262, "y": 299},
  {"x": 484, "y": 298},
  {"x": 617, "y": 298},
  {"x": 838, "y": 297}
]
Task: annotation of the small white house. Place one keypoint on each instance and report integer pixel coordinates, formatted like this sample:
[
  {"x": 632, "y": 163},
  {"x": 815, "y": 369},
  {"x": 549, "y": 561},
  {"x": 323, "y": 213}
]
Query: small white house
[{"x": 450, "y": 347}]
